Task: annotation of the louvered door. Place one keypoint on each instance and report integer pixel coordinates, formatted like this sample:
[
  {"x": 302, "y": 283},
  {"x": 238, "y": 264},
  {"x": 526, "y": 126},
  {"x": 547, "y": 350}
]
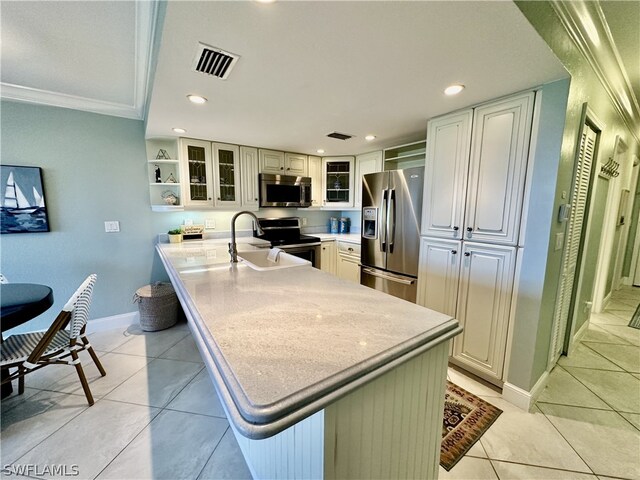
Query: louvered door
[{"x": 571, "y": 253}]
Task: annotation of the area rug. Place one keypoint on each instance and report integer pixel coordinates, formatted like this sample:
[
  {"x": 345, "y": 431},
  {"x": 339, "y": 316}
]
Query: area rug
[
  {"x": 635, "y": 320},
  {"x": 466, "y": 418}
]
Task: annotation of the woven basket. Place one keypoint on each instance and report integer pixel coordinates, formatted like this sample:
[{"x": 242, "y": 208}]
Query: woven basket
[{"x": 158, "y": 305}]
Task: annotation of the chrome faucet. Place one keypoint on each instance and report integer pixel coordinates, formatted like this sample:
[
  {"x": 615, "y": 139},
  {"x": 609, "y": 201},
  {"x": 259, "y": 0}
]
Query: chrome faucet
[{"x": 233, "y": 249}]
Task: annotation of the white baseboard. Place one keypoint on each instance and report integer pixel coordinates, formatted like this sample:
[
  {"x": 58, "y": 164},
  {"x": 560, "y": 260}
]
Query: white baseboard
[
  {"x": 627, "y": 281},
  {"x": 522, "y": 398},
  {"x": 114, "y": 321},
  {"x": 578, "y": 336}
]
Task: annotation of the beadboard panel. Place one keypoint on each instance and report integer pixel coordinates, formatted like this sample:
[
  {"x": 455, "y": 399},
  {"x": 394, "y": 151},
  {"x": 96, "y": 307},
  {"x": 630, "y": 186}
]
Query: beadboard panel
[
  {"x": 391, "y": 427},
  {"x": 296, "y": 452}
]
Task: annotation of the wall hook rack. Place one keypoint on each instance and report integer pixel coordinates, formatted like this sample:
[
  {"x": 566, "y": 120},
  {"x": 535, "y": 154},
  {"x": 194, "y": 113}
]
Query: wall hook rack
[{"x": 610, "y": 169}]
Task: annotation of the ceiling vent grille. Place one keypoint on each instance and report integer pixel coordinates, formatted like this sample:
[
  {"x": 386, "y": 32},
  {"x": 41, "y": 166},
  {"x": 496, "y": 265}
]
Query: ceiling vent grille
[
  {"x": 214, "y": 61},
  {"x": 339, "y": 136}
]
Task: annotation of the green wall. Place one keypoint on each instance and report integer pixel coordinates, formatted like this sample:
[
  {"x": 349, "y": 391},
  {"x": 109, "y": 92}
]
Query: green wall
[
  {"x": 94, "y": 169},
  {"x": 527, "y": 365}
]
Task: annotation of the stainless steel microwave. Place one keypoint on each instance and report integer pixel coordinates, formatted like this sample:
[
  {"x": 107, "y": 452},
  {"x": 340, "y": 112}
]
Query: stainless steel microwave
[{"x": 284, "y": 191}]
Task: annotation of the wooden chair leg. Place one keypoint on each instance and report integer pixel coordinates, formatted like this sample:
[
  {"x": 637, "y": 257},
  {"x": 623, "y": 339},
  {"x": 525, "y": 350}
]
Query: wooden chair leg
[
  {"x": 94, "y": 356},
  {"x": 83, "y": 379},
  {"x": 21, "y": 372}
]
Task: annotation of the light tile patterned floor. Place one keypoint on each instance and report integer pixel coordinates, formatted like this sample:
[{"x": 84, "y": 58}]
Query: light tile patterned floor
[{"x": 157, "y": 416}]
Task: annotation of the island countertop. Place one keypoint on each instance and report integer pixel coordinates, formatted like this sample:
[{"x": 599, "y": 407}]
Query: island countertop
[{"x": 283, "y": 344}]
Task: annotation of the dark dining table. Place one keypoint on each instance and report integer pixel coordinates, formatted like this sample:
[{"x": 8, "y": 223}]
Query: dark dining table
[{"x": 19, "y": 303}]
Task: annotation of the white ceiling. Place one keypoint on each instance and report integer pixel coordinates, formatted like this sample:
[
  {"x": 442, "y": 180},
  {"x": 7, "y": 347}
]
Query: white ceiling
[
  {"x": 309, "y": 68},
  {"x": 306, "y": 68},
  {"x": 90, "y": 55}
]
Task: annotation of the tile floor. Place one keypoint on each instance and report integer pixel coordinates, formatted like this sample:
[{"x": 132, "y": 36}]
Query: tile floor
[{"x": 157, "y": 416}]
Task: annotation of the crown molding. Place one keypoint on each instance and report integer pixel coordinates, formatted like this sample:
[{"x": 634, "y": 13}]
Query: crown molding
[
  {"x": 587, "y": 26},
  {"x": 146, "y": 12}
]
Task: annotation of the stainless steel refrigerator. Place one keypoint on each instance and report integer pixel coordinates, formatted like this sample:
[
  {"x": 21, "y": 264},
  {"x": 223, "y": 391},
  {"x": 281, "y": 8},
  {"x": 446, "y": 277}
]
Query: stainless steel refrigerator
[{"x": 391, "y": 215}]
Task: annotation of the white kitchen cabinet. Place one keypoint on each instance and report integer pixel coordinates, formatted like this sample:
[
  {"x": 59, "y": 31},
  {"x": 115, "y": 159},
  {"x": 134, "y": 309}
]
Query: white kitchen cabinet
[
  {"x": 315, "y": 173},
  {"x": 497, "y": 169},
  {"x": 439, "y": 274},
  {"x": 295, "y": 164},
  {"x": 197, "y": 174},
  {"x": 445, "y": 178},
  {"x": 281, "y": 163},
  {"x": 366, "y": 163},
  {"x": 226, "y": 162},
  {"x": 338, "y": 179},
  {"x": 249, "y": 177},
  {"x": 484, "y": 301},
  {"x": 348, "y": 267},
  {"x": 475, "y": 171},
  {"x": 328, "y": 253},
  {"x": 271, "y": 161}
]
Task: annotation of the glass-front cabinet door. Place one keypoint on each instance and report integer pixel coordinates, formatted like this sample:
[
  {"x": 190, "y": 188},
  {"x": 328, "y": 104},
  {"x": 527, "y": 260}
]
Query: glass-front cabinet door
[
  {"x": 226, "y": 160},
  {"x": 196, "y": 161},
  {"x": 338, "y": 173}
]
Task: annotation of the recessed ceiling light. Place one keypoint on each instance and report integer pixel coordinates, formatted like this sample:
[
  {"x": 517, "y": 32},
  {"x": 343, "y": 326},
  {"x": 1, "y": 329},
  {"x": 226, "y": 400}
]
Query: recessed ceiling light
[
  {"x": 368, "y": 138},
  {"x": 179, "y": 130},
  {"x": 197, "y": 99},
  {"x": 265, "y": 1},
  {"x": 453, "y": 89},
  {"x": 320, "y": 150}
]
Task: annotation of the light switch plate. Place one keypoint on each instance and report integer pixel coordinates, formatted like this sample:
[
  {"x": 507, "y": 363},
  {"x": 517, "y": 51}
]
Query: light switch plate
[
  {"x": 209, "y": 223},
  {"x": 112, "y": 226}
]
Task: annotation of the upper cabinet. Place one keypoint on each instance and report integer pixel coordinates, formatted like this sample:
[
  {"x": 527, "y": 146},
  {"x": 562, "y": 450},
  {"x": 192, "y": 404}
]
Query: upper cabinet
[
  {"x": 295, "y": 164},
  {"x": 365, "y": 163},
  {"x": 280, "y": 163},
  {"x": 474, "y": 188},
  {"x": 338, "y": 180},
  {"x": 448, "y": 144},
  {"x": 249, "y": 176},
  {"x": 497, "y": 169},
  {"x": 315, "y": 173},
  {"x": 226, "y": 161},
  {"x": 197, "y": 172}
]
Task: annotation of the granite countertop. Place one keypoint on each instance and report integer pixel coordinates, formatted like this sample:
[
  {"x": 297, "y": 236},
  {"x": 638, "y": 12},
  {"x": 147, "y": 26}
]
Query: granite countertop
[{"x": 285, "y": 343}]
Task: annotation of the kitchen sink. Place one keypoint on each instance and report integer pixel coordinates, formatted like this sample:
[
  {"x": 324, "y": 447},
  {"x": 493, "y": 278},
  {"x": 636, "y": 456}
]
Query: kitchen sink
[{"x": 258, "y": 260}]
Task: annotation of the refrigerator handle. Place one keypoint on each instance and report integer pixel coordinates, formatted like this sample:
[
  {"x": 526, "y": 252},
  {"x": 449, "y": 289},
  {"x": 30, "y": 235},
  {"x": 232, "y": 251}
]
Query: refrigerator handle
[
  {"x": 391, "y": 217},
  {"x": 383, "y": 222},
  {"x": 388, "y": 276}
]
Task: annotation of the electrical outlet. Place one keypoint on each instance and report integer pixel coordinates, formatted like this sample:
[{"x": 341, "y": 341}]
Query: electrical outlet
[
  {"x": 112, "y": 226},
  {"x": 304, "y": 221},
  {"x": 188, "y": 222},
  {"x": 209, "y": 223}
]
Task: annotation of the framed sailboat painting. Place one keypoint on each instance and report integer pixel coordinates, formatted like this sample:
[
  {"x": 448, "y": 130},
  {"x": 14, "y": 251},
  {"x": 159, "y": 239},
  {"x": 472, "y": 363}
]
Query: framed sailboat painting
[{"x": 23, "y": 208}]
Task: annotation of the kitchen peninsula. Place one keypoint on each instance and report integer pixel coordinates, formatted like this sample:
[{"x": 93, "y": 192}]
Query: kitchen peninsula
[{"x": 319, "y": 377}]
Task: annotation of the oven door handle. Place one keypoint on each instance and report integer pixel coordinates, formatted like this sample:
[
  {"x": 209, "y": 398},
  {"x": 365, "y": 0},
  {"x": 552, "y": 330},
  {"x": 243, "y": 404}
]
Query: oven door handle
[{"x": 297, "y": 245}]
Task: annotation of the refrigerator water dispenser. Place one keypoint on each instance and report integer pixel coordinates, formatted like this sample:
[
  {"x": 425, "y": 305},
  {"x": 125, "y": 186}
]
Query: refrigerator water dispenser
[{"x": 370, "y": 222}]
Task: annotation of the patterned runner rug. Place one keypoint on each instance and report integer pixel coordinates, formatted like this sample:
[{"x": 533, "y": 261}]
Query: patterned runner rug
[
  {"x": 635, "y": 320},
  {"x": 466, "y": 418}
]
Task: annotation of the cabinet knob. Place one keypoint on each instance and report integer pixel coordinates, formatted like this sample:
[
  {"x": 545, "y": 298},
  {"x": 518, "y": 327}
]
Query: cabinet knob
[
  {"x": 218, "y": 198},
  {"x": 456, "y": 228},
  {"x": 288, "y": 168},
  {"x": 350, "y": 249},
  {"x": 255, "y": 199},
  {"x": 469, "y": 229},
  {"x": 467, "y": 254},
  {"x": 281, "y": 168},
  {"x": 209, "y": 198},
  {"x": 454, "y": 251}
]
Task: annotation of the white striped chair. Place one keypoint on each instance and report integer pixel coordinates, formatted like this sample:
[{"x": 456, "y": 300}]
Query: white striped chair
[{"x": 31, "y": 351}]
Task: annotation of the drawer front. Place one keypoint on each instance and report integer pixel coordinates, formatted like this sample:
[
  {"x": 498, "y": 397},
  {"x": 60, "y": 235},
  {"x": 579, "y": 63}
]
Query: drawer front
[{"x": 346, "y": 248}]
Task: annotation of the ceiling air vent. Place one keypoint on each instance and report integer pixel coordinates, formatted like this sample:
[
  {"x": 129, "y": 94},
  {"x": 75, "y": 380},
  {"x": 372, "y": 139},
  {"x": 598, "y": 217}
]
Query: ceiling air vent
[
  {"x": 339, "y": 136},
  {"x": 214, "y": 61}
]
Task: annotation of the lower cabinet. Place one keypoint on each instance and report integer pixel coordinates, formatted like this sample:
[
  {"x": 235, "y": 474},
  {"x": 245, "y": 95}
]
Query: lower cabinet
[
  {"x": 348, "y": 261},
  {"x": 472, "y": 282},
  {"x": 328, "y": 252}
]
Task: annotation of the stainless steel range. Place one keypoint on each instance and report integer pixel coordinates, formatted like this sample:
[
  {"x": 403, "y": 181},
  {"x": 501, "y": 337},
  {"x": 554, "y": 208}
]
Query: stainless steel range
[{"x": 285, "y": 233}]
